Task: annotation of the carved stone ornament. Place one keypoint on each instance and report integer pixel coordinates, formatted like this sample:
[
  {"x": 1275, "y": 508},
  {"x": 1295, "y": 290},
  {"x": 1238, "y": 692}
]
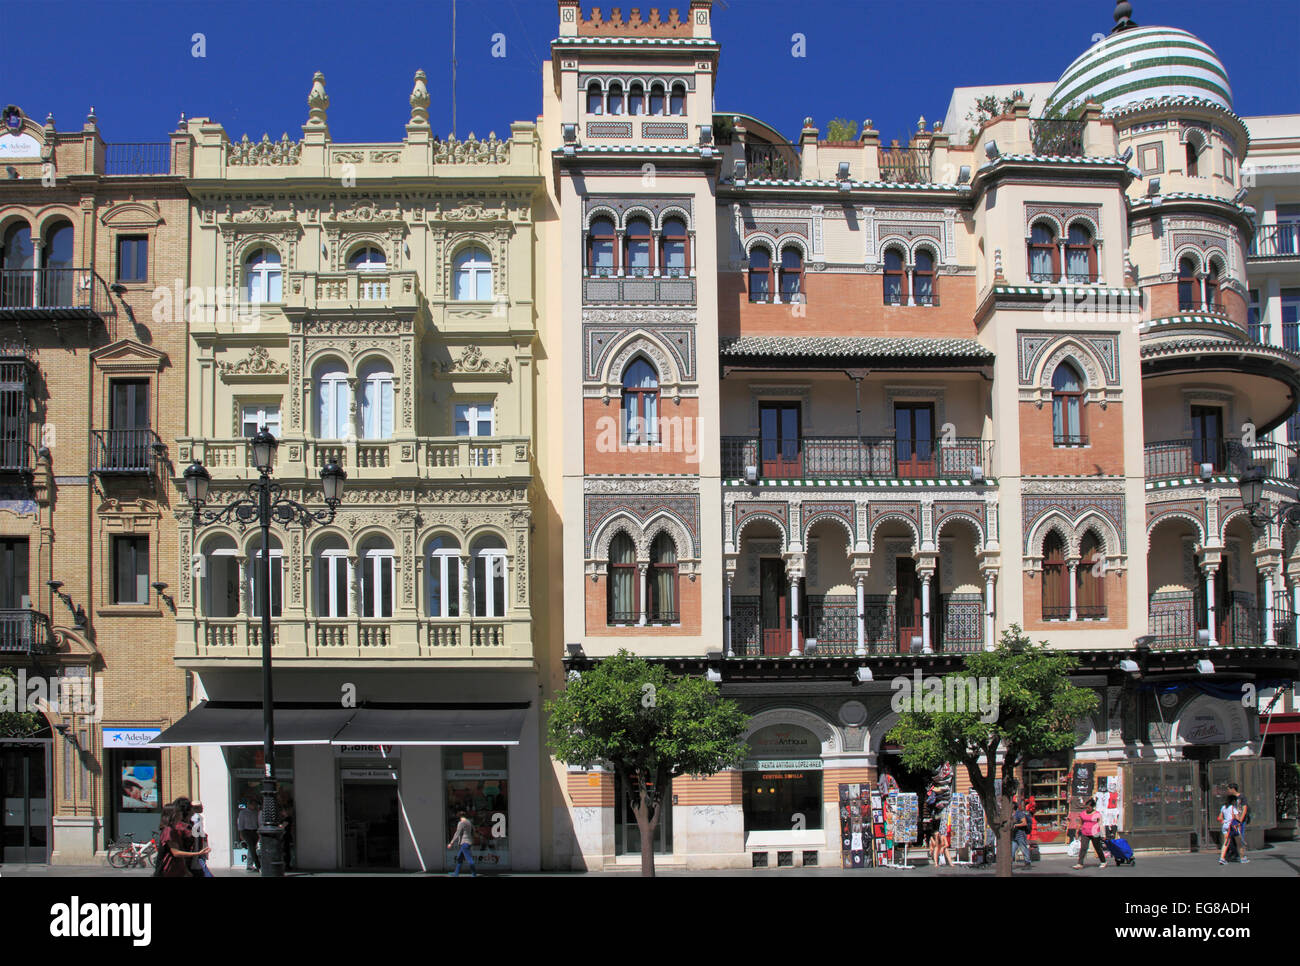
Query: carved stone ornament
[
  {"x": 265, "y": 151},
  {"x": 317, "y": 102},
  {"x": 472, "y": 150},
  {"x": 420, "y": 101},
  {"x": 262, "y": 215},
  {"x": 472, "y": 360},
  {"x": 258, "y": 362}
]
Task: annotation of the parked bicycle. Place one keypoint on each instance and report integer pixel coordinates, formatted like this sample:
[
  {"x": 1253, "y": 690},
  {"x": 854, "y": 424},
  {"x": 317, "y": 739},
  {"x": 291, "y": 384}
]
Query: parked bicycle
[{"x": 126, "y": 853}]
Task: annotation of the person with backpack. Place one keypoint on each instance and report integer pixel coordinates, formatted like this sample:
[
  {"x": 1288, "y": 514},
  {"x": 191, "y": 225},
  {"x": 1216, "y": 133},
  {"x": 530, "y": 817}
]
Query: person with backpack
[
  {"x": 176, "y": 842},
  {"x": 1020, "y": 833}
]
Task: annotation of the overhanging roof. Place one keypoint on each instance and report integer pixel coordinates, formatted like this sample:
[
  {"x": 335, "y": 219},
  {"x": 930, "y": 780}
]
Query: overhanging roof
[{"x": 879, "y": 350}]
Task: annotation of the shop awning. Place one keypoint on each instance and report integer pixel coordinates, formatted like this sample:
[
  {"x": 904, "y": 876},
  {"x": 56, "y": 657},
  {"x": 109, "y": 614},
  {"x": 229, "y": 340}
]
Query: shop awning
[
  {"x": 221, "y": 723},
  {"x": 433, "y": 726}
]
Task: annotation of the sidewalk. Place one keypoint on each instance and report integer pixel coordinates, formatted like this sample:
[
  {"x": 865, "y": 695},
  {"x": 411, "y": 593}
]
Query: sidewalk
[{"x": 1279, "y": 860}]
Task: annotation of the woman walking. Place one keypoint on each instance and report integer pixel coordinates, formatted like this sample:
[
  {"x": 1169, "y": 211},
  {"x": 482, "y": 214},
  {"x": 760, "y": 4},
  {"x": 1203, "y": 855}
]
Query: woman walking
[
  {"x": 1230, "y": 817},
  {"x": 1090, "y": 831},
  {"x": 177, "y": 845}
]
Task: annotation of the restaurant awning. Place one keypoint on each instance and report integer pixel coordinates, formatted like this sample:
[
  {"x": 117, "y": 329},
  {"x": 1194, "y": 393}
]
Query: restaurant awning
[
  {"x": 240, "y": 723},
  {"x": 433, "y": 726}
]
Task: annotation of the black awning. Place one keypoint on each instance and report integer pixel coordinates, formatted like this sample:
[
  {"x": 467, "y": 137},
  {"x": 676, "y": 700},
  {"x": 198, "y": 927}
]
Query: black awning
[
  {"x": 433, "y": 726},
  {"x": 217, "y": 723}
]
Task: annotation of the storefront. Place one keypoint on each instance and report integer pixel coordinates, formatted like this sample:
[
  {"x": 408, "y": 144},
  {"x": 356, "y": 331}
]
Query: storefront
[
  {"x": 134, "y": 782},
  {"x": 245, "y": 764},
  {"x": 25, "y": 798},
  {"x": 477, "y": 782},
  {"x": 781, "y": 787}
]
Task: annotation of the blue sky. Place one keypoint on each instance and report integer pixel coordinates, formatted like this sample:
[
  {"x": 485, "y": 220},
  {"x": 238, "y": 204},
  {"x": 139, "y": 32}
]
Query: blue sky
[{"x": 890, "y": 61}]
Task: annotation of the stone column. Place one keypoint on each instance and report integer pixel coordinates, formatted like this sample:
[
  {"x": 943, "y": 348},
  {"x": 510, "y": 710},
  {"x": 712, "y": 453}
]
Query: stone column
[
  {"x": 990, "y": 577},
  {"x": 862, "y": 615},
  {"x": 795, "y": 650},
  {"x": 1073, "y": 567},
  {"x": 1269, "y": 639},
  {"x": 643, "y": 578},
  {"x": 926, "y": 646},
  {"x": 1209, "y": 600}
]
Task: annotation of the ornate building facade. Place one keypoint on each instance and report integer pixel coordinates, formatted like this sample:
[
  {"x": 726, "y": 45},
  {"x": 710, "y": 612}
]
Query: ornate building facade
[
  {"x": 371, "y": 305},
  {"x": 940, "y": 388}
]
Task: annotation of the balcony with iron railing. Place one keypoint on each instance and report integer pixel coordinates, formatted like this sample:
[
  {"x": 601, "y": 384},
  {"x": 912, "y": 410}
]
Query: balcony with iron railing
[
  {"x": 1177, "y": 620},
  {"x": 901, "y": 165},
  {"x": 1214, "y": 306},
  {"x": 136, "y": 159},
  {"x": 124, "y": 452},
  {"x": 35, "y": 293},
  {"x": 17, "y": 456},
  {"x": 1195, "y": 458},
  {"x": 1276, "y": 241},
  {"x": 24, "y": 631},
  {"x": 1057, "y": 137},
  {"x": 771, "y": 162},
  {"x": 854, "y": 457}
]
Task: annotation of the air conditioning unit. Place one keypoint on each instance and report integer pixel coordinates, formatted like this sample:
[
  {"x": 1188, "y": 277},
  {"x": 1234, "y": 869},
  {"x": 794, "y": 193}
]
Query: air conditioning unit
[
  {"x": 751, "y": 474},
  {"x": 977, "y": 474},
  {"x": 1207, "y": 470}
]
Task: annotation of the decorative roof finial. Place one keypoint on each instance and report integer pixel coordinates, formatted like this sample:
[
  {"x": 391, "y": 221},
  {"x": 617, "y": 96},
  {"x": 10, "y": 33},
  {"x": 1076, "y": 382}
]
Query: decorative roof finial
[
  {"x": 420, "y": 101},
  {"x": 1123, "y": 17},
  {"x": 317, "y": 101}
]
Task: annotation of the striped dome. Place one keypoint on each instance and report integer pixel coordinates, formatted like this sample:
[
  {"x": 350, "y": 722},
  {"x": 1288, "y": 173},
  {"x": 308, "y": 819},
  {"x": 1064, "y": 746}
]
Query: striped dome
[{"x": 1141, "y": 63}]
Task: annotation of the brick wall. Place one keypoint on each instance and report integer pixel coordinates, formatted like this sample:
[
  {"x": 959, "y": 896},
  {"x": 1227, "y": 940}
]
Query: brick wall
[
  {"x": 597, "y": 607},
  {"x": 1103, "y": 454},
  {"x": 679, "y": 433}
]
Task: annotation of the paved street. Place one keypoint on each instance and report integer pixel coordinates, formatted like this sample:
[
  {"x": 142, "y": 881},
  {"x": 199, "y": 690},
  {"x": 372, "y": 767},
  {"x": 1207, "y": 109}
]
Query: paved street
[{"x": 1281, "y": 859}]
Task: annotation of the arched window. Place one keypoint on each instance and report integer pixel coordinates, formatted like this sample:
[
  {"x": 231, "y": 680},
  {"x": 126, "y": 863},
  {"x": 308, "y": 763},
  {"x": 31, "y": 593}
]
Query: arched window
[
  {"x": 473, "y": 275},
  {"x": 256, "y": 593},
  {"x": 375, "y": 405},
  {"x": 895, "y": 278},
  {"x": 600, "y": 247},
  {"x": 621, "y": 603},
  {"x": 1213, "y": 271},
  {"x": 636, "y": 98},
  {"x": 616, "y": 98},
  {"x": 262, "y": 276},
  {"x": 791, "y": 274},
  {"x": 641, "y": 403},
  {"x": 1188, "y": 296},
  {"x": 333, "y": 577},
  {"x": 923, "y": 274},
  {"x": 56, "y": 260},
  {"x": 760, "y": 274},
  {"x": 1080, "y": 255},
  {"x": 1067, "y": 407},
  {"x": 677, "y": 99},
  {"x": 595, "y": 99},
  {"x": 367, "y": 259},
  {"x": 377, "y": 578},
  {"x": 334, "y": 400},
  {"x": 672, "y": 248},
  {"x": 221, "y": 578},
  {"x": 1090, "y": 581},
  {"x": 636, "y": 247},
  {"x": 19, "y": 262},
  {"x": 443, "y": 577},
  {"x": 1056, "y": 592},
  {"x": 1044, "y": 265},
  {"x": 1192, "y": 155},
  {"x": 656, "y": 98},
  {"x": 488, "y": 583},
  {"x": 662, "y": 586}
]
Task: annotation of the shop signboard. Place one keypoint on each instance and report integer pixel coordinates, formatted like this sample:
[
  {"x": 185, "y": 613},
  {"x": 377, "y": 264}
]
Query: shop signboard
[
  {"x": 129, "y": 737},
  {"x": 367, "y": 751},
  {"x": 368, "y": 774},
  {"x": 785, "y": 764}
]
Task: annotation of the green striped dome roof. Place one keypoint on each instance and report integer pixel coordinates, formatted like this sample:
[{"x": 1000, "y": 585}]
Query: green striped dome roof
[{"x": 1142, "y": 63}]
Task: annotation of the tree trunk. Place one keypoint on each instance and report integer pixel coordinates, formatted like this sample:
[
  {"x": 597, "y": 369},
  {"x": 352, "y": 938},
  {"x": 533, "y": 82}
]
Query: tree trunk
[
  {"x": 1005, "y": 831},
  {"x": 646, "y": 822}
]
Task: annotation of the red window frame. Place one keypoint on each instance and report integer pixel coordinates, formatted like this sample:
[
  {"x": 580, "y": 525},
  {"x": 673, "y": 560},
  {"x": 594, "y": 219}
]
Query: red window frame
[
  {"x": 1090, "y": 588},
  {"x": 593, "y": 236},
  {"x": 796, "y": 271},
  {"x": 665, "y": 237},
  {"x": 1049, "y": 246},
  {"x": 1090, "y": 246},
  {"x": 1211, "y": 288},
  {"x": 930, "y": 274},
  {"x": 899, "y": 273},
  {"x": 1188, "y": 296},
  {"x": 765, "y": 271},
  {"x": 1056, "y": 590},
  {"x": 609, "y": 587},
  {"x": 631, "y": 237}
]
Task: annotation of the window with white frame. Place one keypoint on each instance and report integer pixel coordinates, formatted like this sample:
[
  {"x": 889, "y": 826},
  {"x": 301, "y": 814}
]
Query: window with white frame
[
  {"x": 259, "y": 416},
  {"x": 377, "y": 578},
  {"x": 443, "y": 577},
  {"x": 333, "y": 577},
  {"x": 256, "y": 593},
  {"x": 473, "y": 275},
  {"x": 220, "y": 578},
  {"x": 476, "y": 419},
  {"x": 375, "y": 405},
  {"x": 488, "y": 576},
  {"x": 333, "y": 401},
  {"x": 262, "y": 276}
]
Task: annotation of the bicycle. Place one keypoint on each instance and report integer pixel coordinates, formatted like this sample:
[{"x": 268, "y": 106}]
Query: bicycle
[{"x": 127, "y": 853}]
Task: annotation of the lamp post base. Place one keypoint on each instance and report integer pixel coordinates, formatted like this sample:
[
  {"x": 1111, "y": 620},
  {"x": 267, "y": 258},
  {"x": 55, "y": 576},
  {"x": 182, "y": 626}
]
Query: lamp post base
[{"x": 270, "y": 835}]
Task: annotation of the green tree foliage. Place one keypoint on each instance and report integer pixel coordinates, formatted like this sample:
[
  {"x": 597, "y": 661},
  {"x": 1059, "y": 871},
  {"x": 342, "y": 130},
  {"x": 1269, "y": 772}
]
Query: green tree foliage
[
  {"x": 15, "y": 723},
  {"x": 989, "y": 107},
  {"x": 1036, "y": 712},
  {"x": 650, "y": 726},
  {"x": 841, "y": 129}
]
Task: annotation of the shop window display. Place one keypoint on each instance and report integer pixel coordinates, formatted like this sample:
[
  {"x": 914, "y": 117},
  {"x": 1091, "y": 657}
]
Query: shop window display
[
  {"x": 246, "y": 764},
  {"x": 1048, "y": 783},
  {"x": 477, "y": 781}
]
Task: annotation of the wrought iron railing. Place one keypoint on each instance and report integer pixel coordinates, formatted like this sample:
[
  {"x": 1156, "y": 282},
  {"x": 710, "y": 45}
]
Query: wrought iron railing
[
  {"x": 623, "y": 618},
  {"x": 1276, "y": 241},
  {"x": 1090, "y": 612},
  {"x": 771, "y": 161},
  {"x": 1237, "y": 623},
  {"x": 24, "y": 631},
  {"x": 663, "y": 617},
  {"x": 51, "y": 288},
  {"x": 864, "y": 457},
  {"x": 905, "y": 165},
  {"x": 1200, "y": 305},
  {"x": 1070, "y": 439},
  {"x": 1057, "y": 137},
  {"x": 153, "y": 157},
  {"x": 1056, "y": 612},
  {"x": 124, "y": 451},
  {"x": 1183, "y": 458}
]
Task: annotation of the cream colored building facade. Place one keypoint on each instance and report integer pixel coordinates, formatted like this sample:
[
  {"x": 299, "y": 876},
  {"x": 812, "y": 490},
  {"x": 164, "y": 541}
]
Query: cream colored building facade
[{"x": 371, "y": 305}]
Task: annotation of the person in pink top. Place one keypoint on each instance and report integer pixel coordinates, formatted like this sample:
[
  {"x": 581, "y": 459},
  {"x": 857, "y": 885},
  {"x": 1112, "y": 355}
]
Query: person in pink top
[{"x": 1090, "y": 831}]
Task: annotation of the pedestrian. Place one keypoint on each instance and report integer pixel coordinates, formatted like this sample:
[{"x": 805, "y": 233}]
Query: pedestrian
[
  {"x": 199, "y": 865},
  {"x": 1243, "y": 819},
  {"x": 1229, "y": 820},
  {"x": 1090, "y": 831},
  {"x": 177, "y": 845},
  {"x": 1020, "y": 833},
  {"x": 247, "y": 825},
  {"x": 461, "y": 840}
]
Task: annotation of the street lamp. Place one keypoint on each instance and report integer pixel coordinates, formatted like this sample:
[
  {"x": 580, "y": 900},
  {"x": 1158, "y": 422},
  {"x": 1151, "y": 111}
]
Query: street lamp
[
  {"x": 263, "y": 504},
  {"x": 1251, "y": 483}
]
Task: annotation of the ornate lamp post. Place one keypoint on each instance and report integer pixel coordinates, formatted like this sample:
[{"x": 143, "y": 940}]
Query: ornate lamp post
[
  {"x": 263, "y": 504},
  {"x": 1251, "y": 483}
]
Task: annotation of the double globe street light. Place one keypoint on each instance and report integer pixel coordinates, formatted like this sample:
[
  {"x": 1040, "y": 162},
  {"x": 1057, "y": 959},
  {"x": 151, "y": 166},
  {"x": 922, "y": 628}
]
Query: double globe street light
[{"x": 263, "y": 504}]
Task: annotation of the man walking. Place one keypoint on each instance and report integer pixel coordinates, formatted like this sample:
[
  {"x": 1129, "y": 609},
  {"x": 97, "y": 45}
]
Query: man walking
[
  {"x": 199, "y": 864},
  {"x": 247, "y": 825},
  {"x": 461, "y": 840},
  {"x": 1020, "y": 833}
]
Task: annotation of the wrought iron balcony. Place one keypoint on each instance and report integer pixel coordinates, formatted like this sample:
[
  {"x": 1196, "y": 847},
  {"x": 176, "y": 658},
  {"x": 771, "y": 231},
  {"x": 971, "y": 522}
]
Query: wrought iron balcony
[
  {"x": 1057, "y": 137},
  {"x": 1276, "y": 241},
  {"x": 905, "y": 165},
  {"x": 124, "y": 452},
  {"x": 1070, "y": 439},
  {"x": 853, "y": 457},
  {"x": 25, "y": 631},
  {"x": 1198, "y": 305},
  {"x": 141, "y": 158},
  {"x": 17, "y": 456},
  {"x": 771, "y": 161},
  {"x": 51, "y": 292},
  {"x": 1183, "y": 458},
  {"x": 1175, "y": 619}
]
